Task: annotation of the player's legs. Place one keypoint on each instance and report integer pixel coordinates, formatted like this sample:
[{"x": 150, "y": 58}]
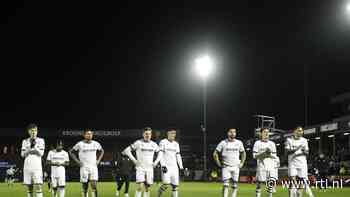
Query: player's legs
[
  {"x": 140, "y": 179},
  {"x": 38, "y": 182},
  {"x": 174, "y": 192},
  {"x": 93, "y": 184},
  {"x": 260, "y": 178},
  {"x": 292, "y": 173},
  {"x": 27, "y": 181},
  {"x": 49, "y": 184},
  {"x": 174, "y": 179},
  {"x": 30, "y": 190},
  {"x": 270, "y": 182},
  {"x": 84, "y": 179},
  {"x": 275, "y": 176},
  {"x": 147, "y": 190},
  {"x": 139, "y": 189},
  {"x": 235, "y": 178},
  {"x": 302, "y": 174},
  {"x": 61, "y": 191},
  {"x": 61, "y": 186},
  {"x": 162, "y": 189},
  {"x": 7, "y": 180},
  {"x": 84, "y": 189},
  {"x": 149, "y": 181},
  {"x": 165, "y": 183},
  {"x": 226, "y": 176},
  {"x": 258, "y": 189},
  {"x": 93, "y": 180},
  {"x": 54, "y": 186},
  {"x": 120, "y": 182},
  {"x": 38, "y": 190},
  {"x": 127, "y": 183}
]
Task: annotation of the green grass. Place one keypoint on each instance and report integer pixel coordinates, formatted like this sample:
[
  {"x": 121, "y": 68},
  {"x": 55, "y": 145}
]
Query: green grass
[{"x": 187, "y": 189}]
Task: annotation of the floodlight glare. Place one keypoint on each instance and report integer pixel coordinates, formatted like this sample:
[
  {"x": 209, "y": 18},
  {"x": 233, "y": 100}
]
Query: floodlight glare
[{"x": 204, "y": 66}]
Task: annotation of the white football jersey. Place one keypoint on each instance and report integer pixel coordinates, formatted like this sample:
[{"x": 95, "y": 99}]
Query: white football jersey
[
  {"x": 267, "y": 163},
  {"x": 291, "y": 144},
  {"x": 33, "y": 161},
  {"x": 58, "y": 157},
  {"x": 87, "y": 152},
  {"x": 145, "y": 152},
  {"x": 230, "y": 151},
  {"x": 170, "y": 150}
]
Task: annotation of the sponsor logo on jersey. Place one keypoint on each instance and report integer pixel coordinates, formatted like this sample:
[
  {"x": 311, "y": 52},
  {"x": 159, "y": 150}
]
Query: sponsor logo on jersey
[
  {"x": 231, "y": 149},
  {"x": 170, "y": 149},
  {"x": 147, "y": 150}
]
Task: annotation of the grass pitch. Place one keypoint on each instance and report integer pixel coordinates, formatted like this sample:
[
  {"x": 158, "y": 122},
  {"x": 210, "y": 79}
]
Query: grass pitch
[{"x": 187, "y": 189}]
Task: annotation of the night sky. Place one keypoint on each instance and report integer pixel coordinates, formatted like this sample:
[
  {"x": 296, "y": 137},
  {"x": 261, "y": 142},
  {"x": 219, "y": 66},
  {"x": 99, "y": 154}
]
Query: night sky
[{"x": 99, "y": 65}]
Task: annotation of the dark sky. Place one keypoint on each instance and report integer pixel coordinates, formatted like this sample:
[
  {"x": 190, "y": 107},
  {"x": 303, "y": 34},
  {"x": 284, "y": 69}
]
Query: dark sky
[{"x": 129, "y": 65}]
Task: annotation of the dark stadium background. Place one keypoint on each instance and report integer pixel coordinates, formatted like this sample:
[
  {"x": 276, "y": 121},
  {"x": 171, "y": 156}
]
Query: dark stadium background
[{"x": 74, "y": 65}]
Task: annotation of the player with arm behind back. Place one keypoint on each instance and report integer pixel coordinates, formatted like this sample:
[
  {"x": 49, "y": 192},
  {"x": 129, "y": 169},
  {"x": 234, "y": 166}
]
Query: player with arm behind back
[
  {"x": 233, "y": 157},
  {"x": 58, "y": 159},
  {"x": 87, "y": 151},
  {"x": 145, "y": 149}
]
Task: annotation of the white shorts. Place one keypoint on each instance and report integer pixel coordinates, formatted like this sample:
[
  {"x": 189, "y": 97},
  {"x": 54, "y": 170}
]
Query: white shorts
[
  {"x": 31, "y": 177},
  {"x": 230, "y": 173},
  {"x": 144, "y": 176},
  {"x": 300, "y": 172},
  {"x": 171, "y": 176},
  {"x": 263, "y": 175},
  {"x": 88, "y": 173},
  {"x": 58, "y": 181}
]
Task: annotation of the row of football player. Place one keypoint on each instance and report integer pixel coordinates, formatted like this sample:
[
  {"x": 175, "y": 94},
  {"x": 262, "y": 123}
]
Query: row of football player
[
  {"x": 90, "y": 153},
  {"x": 232, "y": 154},
  {"x": 231, "y": 150}
]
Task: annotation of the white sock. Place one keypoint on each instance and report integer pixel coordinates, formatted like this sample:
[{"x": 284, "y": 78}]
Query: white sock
[
  {"x": 146, "y": 194},
  {"x": 292, "y": 192},
  {"x": 269, "y": 194},
  {"x": 138, "y": 193},
  {"x": 117, "y": 193},
  {"x": 225, "y": 191},
  {"x": 234, "y": 192},
  {"x": 300, "y": 193},
  {"x": 258, "y": 193},
  {"x": 29, "y": 194},
  {"x": 61, "y": 192},
  {"x": 40, "y": 194},
  {"x": 309, "y": 191},
  {"x": 85, "y": 195},
  {"x": 126, "y": 195},
  {"x": 274, "y": 190},
  {"x": 174, "y": 193}
]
